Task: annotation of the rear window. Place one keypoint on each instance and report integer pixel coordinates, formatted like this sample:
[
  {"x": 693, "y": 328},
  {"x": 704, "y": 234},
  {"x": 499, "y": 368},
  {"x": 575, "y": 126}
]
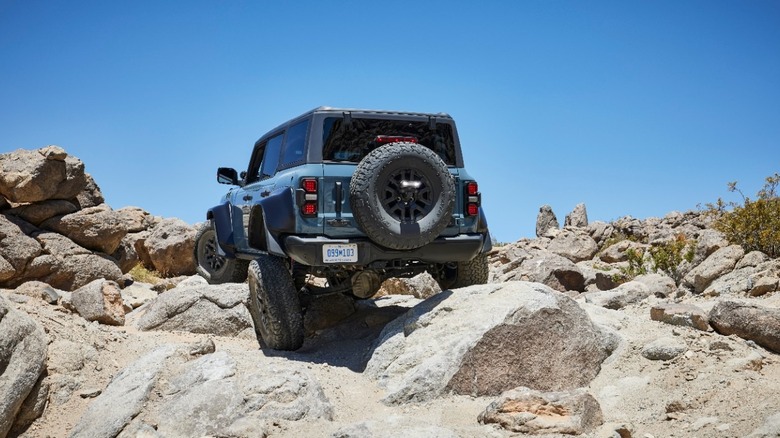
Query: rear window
[{"x": 352, "y": 141}]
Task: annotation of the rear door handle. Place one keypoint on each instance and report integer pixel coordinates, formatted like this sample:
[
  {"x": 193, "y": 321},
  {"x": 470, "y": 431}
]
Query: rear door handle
[
  {"x": 247, "y": 197},
  {"x": 265, "y": 193}
]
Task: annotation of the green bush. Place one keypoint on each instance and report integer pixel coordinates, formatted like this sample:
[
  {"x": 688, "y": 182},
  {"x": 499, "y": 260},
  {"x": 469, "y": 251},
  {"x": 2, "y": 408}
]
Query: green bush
[
  {"x": 755, "y": 224},
  {"x": 665, "y": 257}
]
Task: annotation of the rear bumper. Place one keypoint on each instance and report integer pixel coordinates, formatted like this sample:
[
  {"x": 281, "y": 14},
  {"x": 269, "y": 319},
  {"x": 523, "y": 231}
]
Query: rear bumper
[{"x": 461, "y": 248}]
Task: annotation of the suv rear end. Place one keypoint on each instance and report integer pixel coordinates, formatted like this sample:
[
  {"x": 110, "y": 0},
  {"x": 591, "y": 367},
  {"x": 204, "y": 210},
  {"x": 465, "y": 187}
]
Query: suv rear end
[{"x": 351, "y": 196}]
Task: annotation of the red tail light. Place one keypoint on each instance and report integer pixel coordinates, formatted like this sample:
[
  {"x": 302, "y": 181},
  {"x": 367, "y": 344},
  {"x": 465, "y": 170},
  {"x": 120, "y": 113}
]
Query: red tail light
[
  {"x": 309, "y": 207},
  {"x": 472, "y": 198},
  {"x": 385, "y": 139},
  {"x": 309, "y": 185}
]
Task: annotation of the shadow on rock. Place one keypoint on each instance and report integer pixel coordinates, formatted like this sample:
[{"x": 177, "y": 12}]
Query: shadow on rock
[{"x": 351, "y": 342}]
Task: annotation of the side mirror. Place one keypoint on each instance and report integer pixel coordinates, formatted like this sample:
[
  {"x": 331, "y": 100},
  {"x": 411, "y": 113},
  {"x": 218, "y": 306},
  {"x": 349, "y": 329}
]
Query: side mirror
[{"x": 227, "y": 175}]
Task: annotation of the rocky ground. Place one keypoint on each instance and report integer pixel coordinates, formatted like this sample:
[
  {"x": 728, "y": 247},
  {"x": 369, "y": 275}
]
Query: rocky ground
[
  {"x": 569, "y": 337},
  {"x": 355, "y": 378}
]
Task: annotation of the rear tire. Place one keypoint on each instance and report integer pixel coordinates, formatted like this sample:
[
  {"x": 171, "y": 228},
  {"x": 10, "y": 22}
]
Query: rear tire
[
  {"x": 475, "y": 271},
  {"x": 212, "y": 266},
  {"x": 274, "y": 304}
]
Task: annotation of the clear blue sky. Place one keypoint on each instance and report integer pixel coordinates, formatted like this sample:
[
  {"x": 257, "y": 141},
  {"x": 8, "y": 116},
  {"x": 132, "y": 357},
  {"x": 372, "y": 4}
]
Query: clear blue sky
[{"x": 634, "y": 108}]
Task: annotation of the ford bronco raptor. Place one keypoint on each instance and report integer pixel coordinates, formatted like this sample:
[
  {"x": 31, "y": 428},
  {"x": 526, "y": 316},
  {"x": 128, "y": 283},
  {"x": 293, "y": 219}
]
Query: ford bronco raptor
[{"x": 352, "y": 197}]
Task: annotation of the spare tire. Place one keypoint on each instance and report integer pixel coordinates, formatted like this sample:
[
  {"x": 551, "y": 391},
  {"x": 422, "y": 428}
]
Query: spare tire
[{"x": 402, "y": 195}]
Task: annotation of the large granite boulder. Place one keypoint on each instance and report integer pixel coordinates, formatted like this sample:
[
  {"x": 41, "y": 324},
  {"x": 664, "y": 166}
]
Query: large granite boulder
[
  {"x": 577, "y": 218},
  {"x": 201, "y": 396},
  {"x": 23, "y": 348},
  {"x": 38, "y": 212},
  {"x": 16, "y": 249},
  {"x": 748, "y": 321},
  {"x": 46, "y": 173},
  {"x": 634, "y": 291},
  {"x": 575, "y": 245},
  {"x": 552, "y": 270},
  {"x": 101, "y": 301},
  {"x": 170, "y": 248},
  {"x": 527, "y": 411},
  {"x": 197, "y": 307},
  {"x": 95, "y": 228},
  {"x": 124, "y": 397},
  {"x": 546, "y": 220},
  {"x": 483, "y": 340},
  {"x": 719, "y": 263}
]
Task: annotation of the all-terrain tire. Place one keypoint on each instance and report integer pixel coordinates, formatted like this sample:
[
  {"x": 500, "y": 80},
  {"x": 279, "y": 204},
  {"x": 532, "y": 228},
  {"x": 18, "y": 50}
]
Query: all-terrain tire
[
  {"x": 474, "y": 271},
  {"x": 216, "y": 269},
  {"x": 402, "y": 195},
  {"x": 274, "y": 304}
]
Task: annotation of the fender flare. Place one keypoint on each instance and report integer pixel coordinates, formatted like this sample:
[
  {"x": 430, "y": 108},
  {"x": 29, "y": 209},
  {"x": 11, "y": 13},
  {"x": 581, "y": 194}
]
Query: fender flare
[
  {"x": 482, "y": 227},
  {"x": 222, "y": 217},
  {"x": 272, "y": 216}
]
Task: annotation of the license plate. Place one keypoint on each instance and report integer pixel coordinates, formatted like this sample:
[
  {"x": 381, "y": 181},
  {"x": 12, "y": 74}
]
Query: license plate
[{"x": 340, "y": 253}]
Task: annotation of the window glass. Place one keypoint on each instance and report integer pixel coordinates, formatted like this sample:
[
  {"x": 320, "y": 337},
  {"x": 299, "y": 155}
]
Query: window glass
[
  {"x": 271, "y": 156},
  {"x": 295, "y": 144},
  {"x": 351, "y": 142}
]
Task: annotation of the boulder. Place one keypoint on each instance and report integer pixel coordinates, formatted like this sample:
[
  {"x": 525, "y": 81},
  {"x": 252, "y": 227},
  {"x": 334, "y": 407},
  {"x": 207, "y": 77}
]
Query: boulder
[
  {"x": 736, "y": 282},
  {"x": 577, "y": 218},
  {"x": 206, "y": 397},
  {"x": 197, "y": 307},
  {"x": 633, "y": 292},
  {"x": 91, "y": 196},
  {"x": 16, "y": 249},
  {"x": 7, "y": 270},
  {"x": 126, "y": 255},
  {"x": 748, "y": 321},
  {"x": 75, "y": 179},
  {"x": 23, "y": 349},
  {"x": 618, "y": 252},
  {"x": 137, "y": 219},
  {"x": 764, "y": 285},
  {"x": 483, "y": 340},
  {"x": 33, "y": 406},
  {"x": 598, "y": 275},
  {"x": 752, "y": 259},
  {"x": 39, "y": 290},
  {"x": 600, "y": 231},
  {"x": 96, "y": 228},
  {"x": 545, "y": 220},
  {"x": 719, "y": 263},
  {"x": 67, "y": 266},
  {"x": 527, "y": 411},
  {"x": 170, "y": 248},
  {"x": 38, "y": 212},
  {"x": 101, "y": 301},
  {"x": 552, "y": 270},
  {"x": 124, "y": 397},
  {"x": 574, "y": 245},
  {"x": 707, "y": 242},
  {"x": 631, "y": 227},
  {"x": 686, "y": 315},
  {"x": 31, "y": 176},
  {"x": 138, "y": 294},
  {"x": 420, "y": 286},
  {"x": 665, "y": 348}
]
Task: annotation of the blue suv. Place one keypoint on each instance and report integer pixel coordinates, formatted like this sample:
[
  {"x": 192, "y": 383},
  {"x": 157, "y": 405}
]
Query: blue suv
[{"x": 350, "y": 196}]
